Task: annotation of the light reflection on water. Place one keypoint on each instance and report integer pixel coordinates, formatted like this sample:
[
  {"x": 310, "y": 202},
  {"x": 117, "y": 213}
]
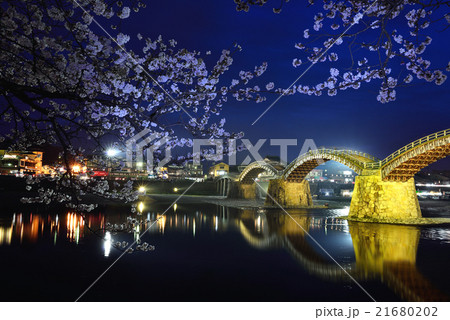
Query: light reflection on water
[
  {"x": 108, "y": 243},
  {"x": 386, "y": 253},
  {"x": 437, "y": 234},
  {"x": 30, "y": 228},
  {"x": 75, "y": 227}
]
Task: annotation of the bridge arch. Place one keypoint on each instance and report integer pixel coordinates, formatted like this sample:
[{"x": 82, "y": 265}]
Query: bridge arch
[
  {"x": 251, "y": 172},
  {"x": 223, "y": 184},
  {"x": 404, "y": 163},
  {"x": 298, "y": 169}
]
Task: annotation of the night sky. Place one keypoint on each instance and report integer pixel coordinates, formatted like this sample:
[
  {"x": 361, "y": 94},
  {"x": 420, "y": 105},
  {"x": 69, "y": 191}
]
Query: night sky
[{"x": 353, "y": 119}]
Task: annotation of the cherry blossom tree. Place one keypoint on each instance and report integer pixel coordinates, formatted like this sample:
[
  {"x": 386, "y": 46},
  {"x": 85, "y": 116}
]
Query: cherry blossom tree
[
  {"x": 70, "y": 77},
  {"x": 65, "y": 78},
  {"x": 385, "y": 39}
]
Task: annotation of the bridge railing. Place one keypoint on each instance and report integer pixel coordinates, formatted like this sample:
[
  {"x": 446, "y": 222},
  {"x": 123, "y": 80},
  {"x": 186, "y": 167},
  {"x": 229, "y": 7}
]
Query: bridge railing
[
  {"x": 372, "y": 165},
  {"x": 346, "y": 153},
  {"x": 413, "y": 145},
  {"x": 362, "y": 154}
]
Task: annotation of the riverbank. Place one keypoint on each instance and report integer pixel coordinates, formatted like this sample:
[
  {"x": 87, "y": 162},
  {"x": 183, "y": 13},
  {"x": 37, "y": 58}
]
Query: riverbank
[
  {"x": 435, "y": 212},
  {"x": 235, "y": 203},
  {"x": 164, "y": 193},
  {"x": 411, "y": 222}
]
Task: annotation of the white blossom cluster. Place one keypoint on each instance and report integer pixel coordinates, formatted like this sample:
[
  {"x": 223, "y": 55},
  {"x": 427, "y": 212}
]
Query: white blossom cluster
[
  {"x": 123, "y": 245},
  {"x": 129, "y": 227},
  {"x": 60, "y": 79},
  {"x": 244, "y": 5},
  {"x": 69, "y": 191},
  {"x": 378, "y": 50}
]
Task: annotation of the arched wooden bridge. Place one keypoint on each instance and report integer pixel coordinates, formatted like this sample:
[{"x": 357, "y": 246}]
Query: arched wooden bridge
[
  {"x": 383, "y": 188},
  {"x": 404, "y": 163},
  {"x": 401, "y": 165},
  {"x": 251, "y": 172},
  {"x": 298, "y": 169}
]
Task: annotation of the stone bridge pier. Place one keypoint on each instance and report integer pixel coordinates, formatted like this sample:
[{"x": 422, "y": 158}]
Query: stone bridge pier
[
  {"x": 289, "y": 194},
  {"x": 239, "y": 190},
  {"x": 223, "y": 187},
  {"x": 376, "y": 199}
]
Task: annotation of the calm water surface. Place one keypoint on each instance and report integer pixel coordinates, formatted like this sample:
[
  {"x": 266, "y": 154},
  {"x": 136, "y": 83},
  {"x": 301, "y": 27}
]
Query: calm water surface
[{"x": 206, "y": 252}]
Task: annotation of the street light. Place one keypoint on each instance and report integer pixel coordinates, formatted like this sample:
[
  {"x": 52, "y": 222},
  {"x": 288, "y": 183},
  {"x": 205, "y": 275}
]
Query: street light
[{"x": 112, "y": 152}]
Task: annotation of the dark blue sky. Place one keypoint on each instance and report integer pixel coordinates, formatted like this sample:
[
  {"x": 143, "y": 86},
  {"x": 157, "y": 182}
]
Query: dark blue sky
[{"x": 352, "y": 119}]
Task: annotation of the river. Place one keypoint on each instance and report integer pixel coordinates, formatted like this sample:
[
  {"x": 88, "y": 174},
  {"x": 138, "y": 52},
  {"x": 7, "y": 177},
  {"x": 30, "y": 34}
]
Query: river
[{"x": 208, "y": 252}]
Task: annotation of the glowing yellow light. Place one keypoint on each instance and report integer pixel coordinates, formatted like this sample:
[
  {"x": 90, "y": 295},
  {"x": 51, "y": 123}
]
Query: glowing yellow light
[
  {"x": 161, "y": 222},
  {"x": 141, "y": 189},
  {"x": 175, "y": 207},
  {"x": 175, "y": 189},
  {"x": 140, "y": 207},
  {"x": 76, "y": 169},
  {"x": 5, "y": 235}
]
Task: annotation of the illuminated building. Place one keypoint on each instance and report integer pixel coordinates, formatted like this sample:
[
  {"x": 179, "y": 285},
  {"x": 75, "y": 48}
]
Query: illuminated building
[
  {"x": 175, "y": 172},
  {"x": 193, "y": 171},
  {"x": 219, "y": 169},
  {"x": 20, "y": 162},
  {"x": 314, "y": 174},
  {"x": 162, "y": 172}
]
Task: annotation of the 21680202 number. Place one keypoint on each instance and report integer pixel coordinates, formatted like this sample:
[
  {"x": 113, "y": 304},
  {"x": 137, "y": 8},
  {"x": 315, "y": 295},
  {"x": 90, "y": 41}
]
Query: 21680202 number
[{"x": 407, "y": 311}]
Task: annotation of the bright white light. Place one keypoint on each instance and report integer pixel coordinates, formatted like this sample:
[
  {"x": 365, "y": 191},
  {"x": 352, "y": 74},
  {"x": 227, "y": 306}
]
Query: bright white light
[
  {"x": 141, "y": 189},
  {"x": 433, "y": 185},
  {"x": 107, "y": 244},
  {"x": 430, "y": 193},
  {"x": 112, "y": 152}
]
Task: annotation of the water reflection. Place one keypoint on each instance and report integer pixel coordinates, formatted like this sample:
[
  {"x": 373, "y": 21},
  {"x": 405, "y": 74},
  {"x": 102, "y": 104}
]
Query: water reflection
[
  {"x": 75, "y": 227},
  {"x": 140, "y": 207},
  {"x": 437, "y": 234},
  {"x": 389, "y": 253},
  {"x": 29, "y": 228},
  {"x": 385, "y": 253},
  {"x": 6, "y": 235},
  {"x": 107, "y": 244}
]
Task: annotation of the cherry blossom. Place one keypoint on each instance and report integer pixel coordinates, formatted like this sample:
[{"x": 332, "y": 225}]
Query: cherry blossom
[
  {"x": 375, "y": 57},
  {"x": 62, "y": 81}
]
